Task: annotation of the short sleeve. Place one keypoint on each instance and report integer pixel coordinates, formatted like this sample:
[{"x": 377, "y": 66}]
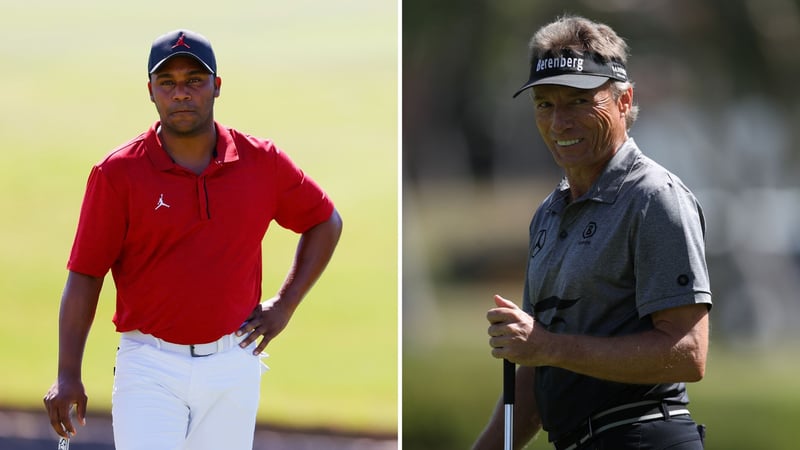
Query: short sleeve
[
  {"x": 302, "y": 203},
  {"x": 101, "y": 227},
  {"x": 669, "y": 248}
]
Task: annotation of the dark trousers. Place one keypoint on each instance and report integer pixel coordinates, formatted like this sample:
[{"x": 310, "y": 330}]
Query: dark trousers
[{"x": 677, "y": 433}]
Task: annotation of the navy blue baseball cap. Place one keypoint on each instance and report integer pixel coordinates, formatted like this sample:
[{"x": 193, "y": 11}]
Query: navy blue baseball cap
[{"x": 181, "y": 42}]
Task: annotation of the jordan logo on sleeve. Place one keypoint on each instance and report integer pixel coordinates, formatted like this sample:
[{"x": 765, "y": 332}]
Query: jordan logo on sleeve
[{"x": 161, "y": 203}]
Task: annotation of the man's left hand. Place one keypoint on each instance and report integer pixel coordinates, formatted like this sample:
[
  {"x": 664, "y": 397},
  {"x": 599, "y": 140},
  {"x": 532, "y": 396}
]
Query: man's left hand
[{"x": 267, "y": 320}]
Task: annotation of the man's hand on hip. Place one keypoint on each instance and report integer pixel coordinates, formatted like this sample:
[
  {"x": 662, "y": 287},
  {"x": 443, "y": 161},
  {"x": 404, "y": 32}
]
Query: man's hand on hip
[{"x": 267, "y": 320}]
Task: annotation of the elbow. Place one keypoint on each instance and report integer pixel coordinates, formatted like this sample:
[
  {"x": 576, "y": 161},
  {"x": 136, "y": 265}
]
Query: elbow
[
  {"x": 330, "y": 229},
  {"x": 697, "y": 371},
  {"x": 337, "y": 221},
  {"x": 700, "y": 357},
  {"x": 334, "y": 225},
  {"x": 688, "y": 360},
  {"x": 694, "y": 350},
  {"x": 696, "y": 362},
  {"x": 685, "y": 370}
]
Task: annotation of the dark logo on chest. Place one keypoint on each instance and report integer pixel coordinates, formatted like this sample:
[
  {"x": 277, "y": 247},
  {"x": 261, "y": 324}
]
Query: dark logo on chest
[
  {"x": 588, "y": 232},
  {"x": 590, "y": 229},
  {"x": 538, "y": 243}
]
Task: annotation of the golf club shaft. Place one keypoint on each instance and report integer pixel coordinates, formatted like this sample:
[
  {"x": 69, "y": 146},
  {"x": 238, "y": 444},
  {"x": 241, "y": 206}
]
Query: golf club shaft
[{"x": 509, "y": 383}]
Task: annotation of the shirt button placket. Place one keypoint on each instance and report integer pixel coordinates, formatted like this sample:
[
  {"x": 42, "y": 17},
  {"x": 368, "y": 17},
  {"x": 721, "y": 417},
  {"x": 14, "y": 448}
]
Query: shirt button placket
[{"x": 202, "y": 198}]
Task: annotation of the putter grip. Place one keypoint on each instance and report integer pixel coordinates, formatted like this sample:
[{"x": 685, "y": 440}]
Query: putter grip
[{"x": 509, "y": 381}]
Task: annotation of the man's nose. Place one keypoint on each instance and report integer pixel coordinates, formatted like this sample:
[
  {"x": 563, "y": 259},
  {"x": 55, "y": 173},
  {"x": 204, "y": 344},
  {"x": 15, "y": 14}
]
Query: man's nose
[
  {"x": 561, "y": 119},
  {"x": 181, "y": 93}
]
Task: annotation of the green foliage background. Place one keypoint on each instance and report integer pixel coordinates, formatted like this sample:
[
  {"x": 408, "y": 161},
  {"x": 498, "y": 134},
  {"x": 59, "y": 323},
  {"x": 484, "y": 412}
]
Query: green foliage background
[{"x": 319, "y": 78}]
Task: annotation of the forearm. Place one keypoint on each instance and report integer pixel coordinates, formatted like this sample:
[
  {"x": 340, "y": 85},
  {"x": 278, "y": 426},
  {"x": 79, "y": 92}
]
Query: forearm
[
  {"x": 526, "y": 415},
  {"x": 78, "y": 307},
  {"x": 653, "y": 356},
  {"x": 314, "y": 251}
]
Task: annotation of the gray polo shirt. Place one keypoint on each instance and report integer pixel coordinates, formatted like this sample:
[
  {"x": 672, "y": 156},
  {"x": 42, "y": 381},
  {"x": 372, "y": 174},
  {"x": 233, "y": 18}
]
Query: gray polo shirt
[{"x": 631, "y": 246}]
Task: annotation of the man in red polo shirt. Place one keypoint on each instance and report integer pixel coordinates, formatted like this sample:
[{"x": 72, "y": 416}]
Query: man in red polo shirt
[{"x": 178, "y": 215}]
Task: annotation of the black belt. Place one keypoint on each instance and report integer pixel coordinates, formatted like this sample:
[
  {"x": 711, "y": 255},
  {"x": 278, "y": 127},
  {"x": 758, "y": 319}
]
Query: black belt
[{"x": 627, "y": 414}]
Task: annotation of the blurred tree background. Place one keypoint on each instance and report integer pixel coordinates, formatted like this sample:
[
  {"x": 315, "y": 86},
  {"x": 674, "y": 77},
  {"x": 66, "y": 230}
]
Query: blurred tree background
[{"x": 716, "y": 81}]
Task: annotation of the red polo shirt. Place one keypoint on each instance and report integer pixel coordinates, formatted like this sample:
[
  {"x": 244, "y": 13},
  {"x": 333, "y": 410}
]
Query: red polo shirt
[{"x": 185, "y": 249}]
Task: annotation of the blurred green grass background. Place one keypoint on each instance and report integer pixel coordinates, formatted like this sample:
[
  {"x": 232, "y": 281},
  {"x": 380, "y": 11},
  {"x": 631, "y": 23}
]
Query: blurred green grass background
[
  {"x": 749, "y": 399},
  {"x": 319, "y": 78}
]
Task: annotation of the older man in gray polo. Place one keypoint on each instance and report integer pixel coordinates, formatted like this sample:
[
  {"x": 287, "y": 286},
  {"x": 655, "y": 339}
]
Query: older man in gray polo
[{"x": 614, "y": 317}]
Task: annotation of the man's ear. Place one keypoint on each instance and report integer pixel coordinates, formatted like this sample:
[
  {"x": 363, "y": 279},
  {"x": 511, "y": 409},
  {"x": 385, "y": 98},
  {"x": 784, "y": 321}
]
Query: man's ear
[
  {"x": 150, "y": 91},
  {"x": 626, "y": 101},
  {"x": 217, "y": 86}
]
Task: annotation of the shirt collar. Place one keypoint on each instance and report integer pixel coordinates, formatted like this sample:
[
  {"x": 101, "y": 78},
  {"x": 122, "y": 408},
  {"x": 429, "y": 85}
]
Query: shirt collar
[
  {"x": 607, "y": 186},
  {"x": 225, "y": 151},
  {"x": 226, "y": 147}
]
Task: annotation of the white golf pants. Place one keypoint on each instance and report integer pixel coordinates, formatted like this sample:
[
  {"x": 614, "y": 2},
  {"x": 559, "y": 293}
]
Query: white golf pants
[{"x": 163, "y": 400}]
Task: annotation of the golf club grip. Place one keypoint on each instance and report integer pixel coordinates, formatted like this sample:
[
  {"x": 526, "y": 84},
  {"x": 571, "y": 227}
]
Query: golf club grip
[{"x": 509, "y": 381}]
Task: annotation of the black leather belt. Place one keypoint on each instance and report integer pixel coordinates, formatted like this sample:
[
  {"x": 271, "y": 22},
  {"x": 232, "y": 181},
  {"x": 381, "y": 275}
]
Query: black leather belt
[{"x": 627, "y": 414}]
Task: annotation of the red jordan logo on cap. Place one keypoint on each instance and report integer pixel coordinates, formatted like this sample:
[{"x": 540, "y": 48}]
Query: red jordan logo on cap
[{"x": 181, "y": 42}]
